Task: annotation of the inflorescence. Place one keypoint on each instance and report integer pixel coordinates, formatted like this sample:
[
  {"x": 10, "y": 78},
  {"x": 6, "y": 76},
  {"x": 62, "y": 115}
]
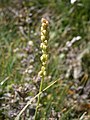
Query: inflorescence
[{"x": 43, "y": 46}]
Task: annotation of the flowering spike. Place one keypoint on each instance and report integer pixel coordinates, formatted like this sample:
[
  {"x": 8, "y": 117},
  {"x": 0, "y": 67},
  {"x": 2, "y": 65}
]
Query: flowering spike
[{"x": 43, "y": 46}]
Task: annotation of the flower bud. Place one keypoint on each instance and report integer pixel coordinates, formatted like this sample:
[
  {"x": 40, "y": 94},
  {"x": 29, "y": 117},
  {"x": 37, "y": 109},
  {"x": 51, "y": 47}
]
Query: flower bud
[
  {"x": 44, "y": 25},
  {"x": 42, "y": 29},
  {"x": 44, "y": 57},
  {"x": 43, "y": 46},
  {"x": 44, "y": 73},
  {"x": 45, "y": 42},
  {"x": 42, "y": 38},
  {"x": 43, "y": 20},
  {"x": 44, "y": 32},
  {"x": 44, "y": 63},
  {"x": 40, "y": 73},
  {"x": 43, "y": 68}
]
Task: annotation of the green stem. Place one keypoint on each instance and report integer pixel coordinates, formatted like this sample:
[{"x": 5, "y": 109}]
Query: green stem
[
  {"x": 32, "y": 99},
  {"x": 41, "y": 84}
]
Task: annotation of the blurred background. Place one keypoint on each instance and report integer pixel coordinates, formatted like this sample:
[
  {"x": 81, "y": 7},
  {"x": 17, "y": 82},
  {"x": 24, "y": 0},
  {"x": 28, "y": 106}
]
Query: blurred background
[{"x": 69, "y": 59}]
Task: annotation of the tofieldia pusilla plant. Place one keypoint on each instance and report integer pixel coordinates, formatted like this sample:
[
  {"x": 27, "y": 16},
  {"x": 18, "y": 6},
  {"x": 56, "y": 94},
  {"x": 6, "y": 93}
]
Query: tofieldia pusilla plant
[{"x": 44, "y": 57}]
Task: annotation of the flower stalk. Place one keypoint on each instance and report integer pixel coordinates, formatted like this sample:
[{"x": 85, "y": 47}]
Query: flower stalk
[{"x": 44, "y": 57}]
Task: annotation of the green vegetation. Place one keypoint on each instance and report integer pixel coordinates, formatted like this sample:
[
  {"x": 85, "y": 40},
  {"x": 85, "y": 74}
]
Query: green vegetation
[{"x": 68, "y": 63}]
